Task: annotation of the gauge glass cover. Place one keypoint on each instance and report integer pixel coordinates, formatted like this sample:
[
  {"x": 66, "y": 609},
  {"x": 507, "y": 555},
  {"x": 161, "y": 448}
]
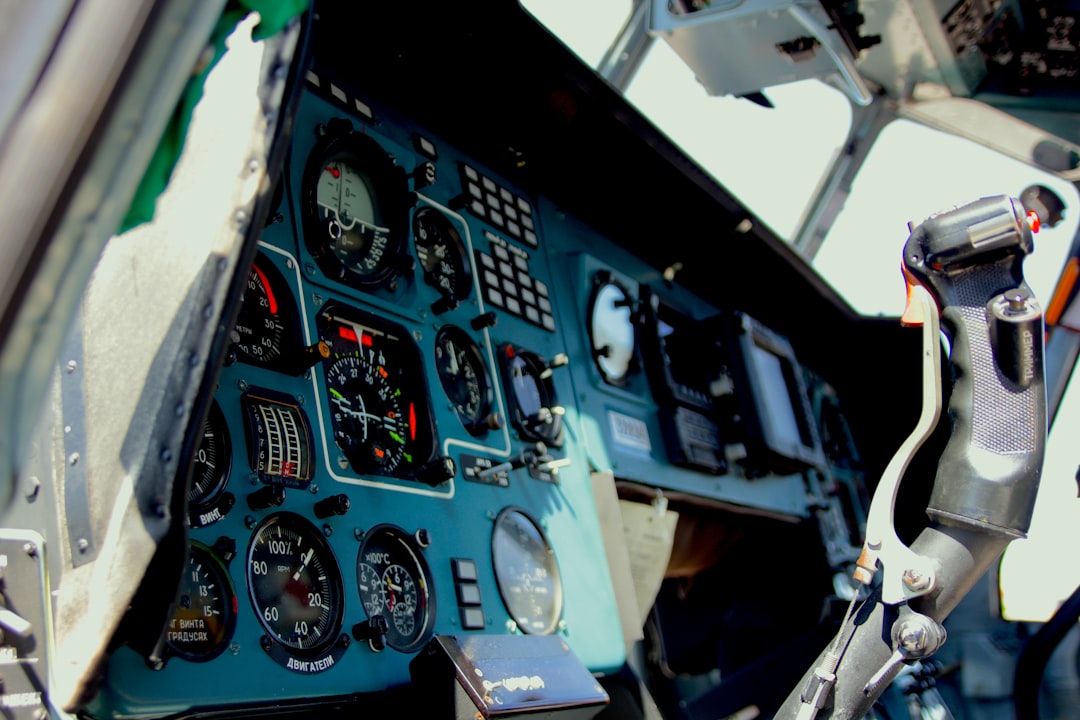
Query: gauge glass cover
[
  {"x": 267, "y": 326},
  {"x": 205, "y": 616},
  {"x": 613, "y": 333},
  {"x": 393, "y": 581},
  {"x": 464, "y": 377},
  {"x": 380, "y": 416},
  {"x": 526, "y": 572},
  {"x": 212, "y": 462},
  {"x": 442, "y": 255},
  {"x": 355, "y": 211},
  {"x": 294, "y": 584}
]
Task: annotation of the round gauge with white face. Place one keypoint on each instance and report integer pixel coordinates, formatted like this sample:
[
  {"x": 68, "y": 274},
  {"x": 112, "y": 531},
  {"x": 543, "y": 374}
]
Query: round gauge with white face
[{"x": 526, "y": 572}]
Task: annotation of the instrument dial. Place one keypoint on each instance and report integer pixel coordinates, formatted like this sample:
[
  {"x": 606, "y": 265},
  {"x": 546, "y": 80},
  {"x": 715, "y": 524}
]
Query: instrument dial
[
  {"x": 205, "y": 616},
  {"x": 532, "y": 402},
  {"x": 379, "y": 414},
  {"x": 442, "y": 255},
  {"x": 526, "y": 572},
  {"x": 464, "y": 377},
  {"x": 370, "y": 424},
  {"x": 355, "y": 208},
  {"x": 612, "y": 330},
  {"x": 295, "y": 584},
  {"x": 402, "y": 593},
  {"x": 213, "y": 461},
  {"x": 267, "y": 324}
]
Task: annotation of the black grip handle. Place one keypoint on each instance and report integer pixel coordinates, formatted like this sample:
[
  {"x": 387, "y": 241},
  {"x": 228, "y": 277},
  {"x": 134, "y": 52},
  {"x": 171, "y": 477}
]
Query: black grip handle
[{"x": 971, "y": 259}]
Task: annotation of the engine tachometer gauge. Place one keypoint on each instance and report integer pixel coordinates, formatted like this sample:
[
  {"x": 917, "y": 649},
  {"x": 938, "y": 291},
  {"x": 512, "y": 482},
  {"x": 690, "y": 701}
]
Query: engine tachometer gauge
[
  {"x": 464, "y": 377},
  {"x": 205, "y": 616},
  {"x": 526, "y": 572},
  {"x": 442, "y": 256},
  {"x": 393, "y": 582},
  {"x": 380, "y": 415},
  {"x": 296, "y": 592},
  {"x": 207, "y": 499},
  {"x": 355, "y": 208}
]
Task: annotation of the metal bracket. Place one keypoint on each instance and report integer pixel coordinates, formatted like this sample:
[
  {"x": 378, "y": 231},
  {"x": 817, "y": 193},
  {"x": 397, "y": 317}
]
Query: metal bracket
[{"x": 907, "y": 574}]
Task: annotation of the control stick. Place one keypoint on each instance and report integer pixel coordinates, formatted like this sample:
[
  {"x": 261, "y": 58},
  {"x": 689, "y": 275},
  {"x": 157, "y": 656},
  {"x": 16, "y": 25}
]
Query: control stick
[{"x": 964, "y": 265}]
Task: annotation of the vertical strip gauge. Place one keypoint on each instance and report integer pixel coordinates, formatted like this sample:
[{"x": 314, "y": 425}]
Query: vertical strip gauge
[{"x": 279, "y": 438}]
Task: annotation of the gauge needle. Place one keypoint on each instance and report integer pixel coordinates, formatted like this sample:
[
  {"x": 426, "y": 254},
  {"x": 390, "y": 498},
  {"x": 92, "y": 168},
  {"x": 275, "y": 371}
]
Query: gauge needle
[
  {"x": 304, "y": 560},
  {"x": 453, "y": 358}
]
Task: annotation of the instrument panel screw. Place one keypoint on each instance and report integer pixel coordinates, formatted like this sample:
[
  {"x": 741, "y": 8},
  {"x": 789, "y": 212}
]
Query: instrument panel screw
[
  {"x": 83, "y": 545},
  {"x": 423, "y": 537},
  {"x": 249, "y": 521},
  {"x": 71, "y": 365},
  {"x": 915, "y": 580},
  {"x": 358, "y": 533},
  {"x": 30, "y": 549},
  {"x": 234, "y": 648},
  {"x": 241, "y": 385},
  {"x": 490, "y": 514},
  {"x": 314, "y": 488},
  {"x": 327, "y": 530}
]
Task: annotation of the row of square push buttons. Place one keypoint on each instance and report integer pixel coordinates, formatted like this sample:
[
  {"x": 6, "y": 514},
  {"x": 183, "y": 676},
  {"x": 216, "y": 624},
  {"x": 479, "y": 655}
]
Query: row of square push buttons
[
  {"x": 506, "y": 211},
  {"x": 508, "y": 286},
  {"x": 468, "y": 593}
]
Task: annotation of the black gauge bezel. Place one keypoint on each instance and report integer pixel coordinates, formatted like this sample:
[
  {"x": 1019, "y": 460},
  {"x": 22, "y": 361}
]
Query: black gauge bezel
[
  {"x": 209, "y": 559},
  {"x": 452, "y": 238},
  {"x": 322, "y": 654},
  {"x": 604, "y": 279},
  {"x": 201, "y": 509},
  {"x": 502, "y": 572},
  {"x": 405, "y": 374},
  {"x": 388, "y": 186},
  {"x": 280, "y": 358},
  {"x": 510, "y": 357},
  {"x": 421, "y": 574},
  {"x": 474, "y": 425}
]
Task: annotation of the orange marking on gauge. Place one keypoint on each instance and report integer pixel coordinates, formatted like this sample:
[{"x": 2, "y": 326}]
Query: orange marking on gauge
[
  {"x": 365, "y": 339},
  {"x": 382, "y": 371},
  {"x": 412, "y": 421}
]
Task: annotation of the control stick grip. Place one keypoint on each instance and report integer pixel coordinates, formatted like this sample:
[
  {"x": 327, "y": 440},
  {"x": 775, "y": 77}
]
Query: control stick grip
[{"x": 971, "y": 259}]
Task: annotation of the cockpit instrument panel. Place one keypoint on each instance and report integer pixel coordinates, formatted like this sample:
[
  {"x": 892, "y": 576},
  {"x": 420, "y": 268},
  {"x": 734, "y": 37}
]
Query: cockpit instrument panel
[{"x": 431, "y": 358}]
